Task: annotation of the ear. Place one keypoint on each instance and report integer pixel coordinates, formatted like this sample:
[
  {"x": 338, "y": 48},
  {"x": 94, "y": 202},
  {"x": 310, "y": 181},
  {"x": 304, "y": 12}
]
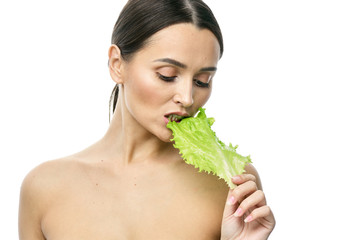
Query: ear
[{"x": 116, "y": 64}]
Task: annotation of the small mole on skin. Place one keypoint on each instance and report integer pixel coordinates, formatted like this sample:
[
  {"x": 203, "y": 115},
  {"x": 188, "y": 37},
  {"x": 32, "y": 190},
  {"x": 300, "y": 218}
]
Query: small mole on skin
[
  {"x": 135, "y": 184},
  {"x": 97, "y": 184}
]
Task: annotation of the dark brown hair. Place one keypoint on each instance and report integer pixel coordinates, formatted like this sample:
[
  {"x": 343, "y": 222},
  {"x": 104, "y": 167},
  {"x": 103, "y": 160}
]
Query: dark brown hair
[{"x": 140, "y": 19}]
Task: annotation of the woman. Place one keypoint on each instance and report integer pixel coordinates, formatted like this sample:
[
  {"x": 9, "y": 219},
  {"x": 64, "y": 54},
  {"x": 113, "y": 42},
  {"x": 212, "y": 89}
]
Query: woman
[{"x": 132, "y": 184}]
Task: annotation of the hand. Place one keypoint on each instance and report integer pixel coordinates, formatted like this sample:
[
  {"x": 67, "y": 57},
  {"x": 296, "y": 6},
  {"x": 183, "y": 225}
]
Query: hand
[{"x": 246, "y": 215}]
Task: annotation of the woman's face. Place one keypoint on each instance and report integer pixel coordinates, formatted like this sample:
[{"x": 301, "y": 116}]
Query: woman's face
[{"x": 171, "y": 77}]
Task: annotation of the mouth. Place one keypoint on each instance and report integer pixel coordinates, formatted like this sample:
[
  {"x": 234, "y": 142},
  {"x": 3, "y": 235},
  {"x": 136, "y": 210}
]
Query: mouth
[{"x": 175, "y": 118}]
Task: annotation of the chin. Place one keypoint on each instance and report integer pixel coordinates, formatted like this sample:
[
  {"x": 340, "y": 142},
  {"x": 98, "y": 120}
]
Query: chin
[{"x": 165, "y": 137}]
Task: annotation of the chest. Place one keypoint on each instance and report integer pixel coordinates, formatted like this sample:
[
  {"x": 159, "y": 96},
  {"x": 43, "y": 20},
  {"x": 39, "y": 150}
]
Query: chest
[{"x": 156, "y": 206}]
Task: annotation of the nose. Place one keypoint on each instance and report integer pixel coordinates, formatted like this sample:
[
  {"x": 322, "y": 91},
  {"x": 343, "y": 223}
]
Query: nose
[{"x": 184, "y": 94}]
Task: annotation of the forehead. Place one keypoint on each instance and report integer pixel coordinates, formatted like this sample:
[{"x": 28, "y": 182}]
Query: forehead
[{"x": 184, "y": 42}]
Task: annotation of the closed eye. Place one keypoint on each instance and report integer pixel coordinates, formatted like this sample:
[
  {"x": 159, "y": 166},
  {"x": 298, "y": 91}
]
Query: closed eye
[
  {"x": 198, "y": 83},
  {"x": 201, "y": 83},
  {"x": 166, "y": 78}
]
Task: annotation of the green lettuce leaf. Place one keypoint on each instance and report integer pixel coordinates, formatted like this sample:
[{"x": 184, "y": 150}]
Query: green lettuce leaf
[{"x": 199, "y": 146}]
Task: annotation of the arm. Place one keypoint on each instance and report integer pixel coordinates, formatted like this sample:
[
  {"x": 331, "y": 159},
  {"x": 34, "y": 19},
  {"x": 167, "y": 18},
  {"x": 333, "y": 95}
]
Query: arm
[{"x": 30, "y": 209}]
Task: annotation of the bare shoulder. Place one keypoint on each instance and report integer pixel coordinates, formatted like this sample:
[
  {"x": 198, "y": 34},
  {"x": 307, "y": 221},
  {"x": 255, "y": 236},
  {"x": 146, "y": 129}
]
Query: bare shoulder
[
  {"x": 44, "y": 176},
  {"x": 250, "y": 169},
  {"x": 41, "y": 183},
  {"x": 38, "y": 189}
]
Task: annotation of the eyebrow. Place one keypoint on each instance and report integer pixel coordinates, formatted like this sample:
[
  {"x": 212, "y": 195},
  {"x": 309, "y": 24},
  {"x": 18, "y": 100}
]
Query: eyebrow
[{"x": 181, "y": 65}]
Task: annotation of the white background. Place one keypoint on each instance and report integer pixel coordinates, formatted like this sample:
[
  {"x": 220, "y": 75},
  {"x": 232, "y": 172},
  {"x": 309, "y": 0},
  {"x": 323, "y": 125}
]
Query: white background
[{"x": 287, "y": 92}]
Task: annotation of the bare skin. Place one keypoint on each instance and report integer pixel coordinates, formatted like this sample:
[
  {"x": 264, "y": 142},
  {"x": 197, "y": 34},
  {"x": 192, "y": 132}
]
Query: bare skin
[{"x": 132, "y": 184}]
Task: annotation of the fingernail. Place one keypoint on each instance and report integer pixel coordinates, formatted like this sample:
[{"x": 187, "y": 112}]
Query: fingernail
[
  {"x": 236, "y": 178},
  {"x": 248, "y": 219},
  {"x": 238, "y": 212},
  {"x": 231, "y": 201}
]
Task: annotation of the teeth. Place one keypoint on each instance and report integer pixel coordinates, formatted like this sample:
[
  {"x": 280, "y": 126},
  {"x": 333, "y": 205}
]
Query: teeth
[{"x": 174, "y": 117}]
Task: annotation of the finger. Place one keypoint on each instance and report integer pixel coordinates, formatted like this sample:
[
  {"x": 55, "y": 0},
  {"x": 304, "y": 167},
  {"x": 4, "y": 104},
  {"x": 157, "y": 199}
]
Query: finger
[
  {"x": 230, "y": 206},
  {"x": 255, "y": 200},
  {"x": 242, "y": 191},
  {"x": 239, "y": 179},
  {"x": 246, "y": 186},
  {"x": 261, "y": 212}
]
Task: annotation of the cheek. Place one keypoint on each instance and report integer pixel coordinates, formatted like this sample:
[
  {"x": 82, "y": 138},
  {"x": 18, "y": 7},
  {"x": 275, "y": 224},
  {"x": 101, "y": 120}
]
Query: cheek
[
  {"x": 143, "y": 89},
  {"x": 201, "y": 97}
]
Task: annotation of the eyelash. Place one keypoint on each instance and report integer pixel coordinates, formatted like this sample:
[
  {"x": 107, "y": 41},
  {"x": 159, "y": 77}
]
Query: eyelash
[
  {"x": 165, "y": 78},
  {"x": 197, "y": 82}
]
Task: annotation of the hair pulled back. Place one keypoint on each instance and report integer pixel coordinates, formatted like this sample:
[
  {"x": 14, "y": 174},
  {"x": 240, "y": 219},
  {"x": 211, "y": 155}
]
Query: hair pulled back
[{"x": 140, "y": 19}]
